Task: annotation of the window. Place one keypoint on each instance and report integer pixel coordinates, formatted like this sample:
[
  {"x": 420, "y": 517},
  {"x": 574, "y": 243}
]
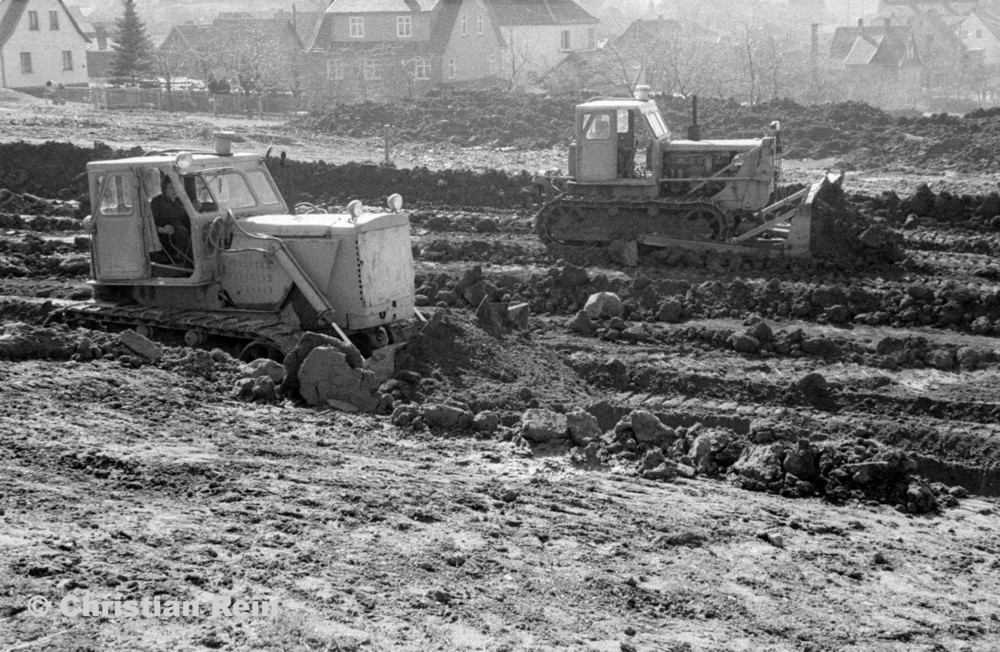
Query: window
[
  {"x": 26, "y": 62},
  {"x": 591, "y": 39},
  {"x": 564, "y": 40},
  {"x": 493, "y": 65},
  {"x": 479, "y": 24},
  {"x": 464, "y": 31},
  {"x": 373, "y": 69},
  {"x": 422, "y": 69},
  {"x": 33, "y": 21},
  {"x": 598, "y": 126},
  {"x": 53, "y": 20},
  {"x": 67, "y": 59},
  {"x": 964, "y": 34},
  {"x": 335, "y": 69},
  {"x": 357, "y": 27},
  {"x": 117, "y": 197},
  {"x": 404, "y": 27},
  {"x": 979, "y": 33},
  {"x": 452, "y": 69},
  {"x": 225, "y": 190},
  {"x": 263, "y": 187}
]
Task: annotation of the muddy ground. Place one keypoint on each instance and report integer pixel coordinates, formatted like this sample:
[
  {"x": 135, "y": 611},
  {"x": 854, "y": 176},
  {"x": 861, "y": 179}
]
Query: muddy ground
[{"x": 823, "y": 475}]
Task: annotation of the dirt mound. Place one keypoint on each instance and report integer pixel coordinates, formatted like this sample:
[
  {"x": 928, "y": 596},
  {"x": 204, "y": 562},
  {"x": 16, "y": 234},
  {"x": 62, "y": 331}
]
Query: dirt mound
[
  {"x": 8, "y": 96},
  {"x": 840, "y": 232},
  {"x": 458, "y": 361}
]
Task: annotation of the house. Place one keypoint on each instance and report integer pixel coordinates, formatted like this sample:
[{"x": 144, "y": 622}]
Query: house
[
  {"x": 916, "y": 55},
  {"x": 39, "y": 42},
  {"x": 257, "y": 53},
  {"x": 980, "y": 35},
  {"x": 369, "y": 49},
  {"x": 668, "y": 54},
  {"x": 538, "y": 35}
]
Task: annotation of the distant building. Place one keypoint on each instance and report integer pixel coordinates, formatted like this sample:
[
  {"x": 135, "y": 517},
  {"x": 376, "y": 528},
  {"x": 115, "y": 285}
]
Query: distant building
[
  {"x": 980, "y": 36},
  {"x": 368, "y": 49},
  {"x": 40, "y": 41}
]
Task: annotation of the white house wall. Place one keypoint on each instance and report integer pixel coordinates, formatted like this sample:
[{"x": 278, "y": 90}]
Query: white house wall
[
  {"x": 976, "y": 36},
  {"x": 538, "y": 48},
  {"x": 46, "y": 47}
]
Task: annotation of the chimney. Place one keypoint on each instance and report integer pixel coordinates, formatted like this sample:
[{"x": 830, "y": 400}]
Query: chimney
[
  {"x": 101, "y": 34},
  {"x": 861, "y": 23},
  {"x": 886, "y": 22}
]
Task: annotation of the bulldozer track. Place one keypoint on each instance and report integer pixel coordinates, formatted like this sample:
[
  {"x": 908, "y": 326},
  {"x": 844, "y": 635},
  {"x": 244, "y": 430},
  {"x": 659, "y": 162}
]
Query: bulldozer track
[
  {"x": 597, "y": 221},
  {"x": 243, "y": 327}
]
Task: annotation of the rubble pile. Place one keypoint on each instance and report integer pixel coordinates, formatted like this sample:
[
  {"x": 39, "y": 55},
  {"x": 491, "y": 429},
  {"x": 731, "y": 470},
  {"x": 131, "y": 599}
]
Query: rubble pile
[{"x": 860, "y": 469}]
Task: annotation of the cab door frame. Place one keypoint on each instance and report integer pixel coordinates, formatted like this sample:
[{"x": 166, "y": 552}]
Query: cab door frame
[{"x": 119, "y": 251}]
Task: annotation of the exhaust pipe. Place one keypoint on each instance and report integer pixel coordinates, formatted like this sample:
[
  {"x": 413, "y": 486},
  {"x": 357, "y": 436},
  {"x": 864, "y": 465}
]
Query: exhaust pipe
[{"x": 694, "y": 131}]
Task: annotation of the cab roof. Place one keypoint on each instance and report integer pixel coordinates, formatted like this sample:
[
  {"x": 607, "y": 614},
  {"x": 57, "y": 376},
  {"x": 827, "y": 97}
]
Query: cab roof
[
  {"x": 201, "y": 160},
  {"x": 617, "y": 103}
]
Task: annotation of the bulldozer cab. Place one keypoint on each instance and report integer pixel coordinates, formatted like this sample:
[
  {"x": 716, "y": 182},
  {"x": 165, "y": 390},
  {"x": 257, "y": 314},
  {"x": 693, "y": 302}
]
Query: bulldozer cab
[{"x": 609, "y": 135}]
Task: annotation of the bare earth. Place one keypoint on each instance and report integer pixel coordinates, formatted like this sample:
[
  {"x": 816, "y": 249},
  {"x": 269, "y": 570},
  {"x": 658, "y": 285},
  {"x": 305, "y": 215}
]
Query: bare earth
[{"x": 119, "y": 483}]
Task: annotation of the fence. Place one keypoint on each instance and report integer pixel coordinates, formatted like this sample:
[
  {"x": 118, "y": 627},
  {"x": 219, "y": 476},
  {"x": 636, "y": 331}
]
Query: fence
[{"x": 235, "y": 104}]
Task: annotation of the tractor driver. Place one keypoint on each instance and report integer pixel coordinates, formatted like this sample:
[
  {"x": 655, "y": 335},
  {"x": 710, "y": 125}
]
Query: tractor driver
[{"x": 172, "y": 224}]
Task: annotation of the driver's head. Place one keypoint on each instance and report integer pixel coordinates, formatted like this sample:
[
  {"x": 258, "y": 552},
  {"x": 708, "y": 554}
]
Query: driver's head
[{"x": 167, "y": 188}]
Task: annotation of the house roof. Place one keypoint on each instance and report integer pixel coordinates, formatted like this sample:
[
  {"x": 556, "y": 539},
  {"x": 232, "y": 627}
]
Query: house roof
[
  {"x": 846, "y": 38},
  {"x": 863, "y": 50},
  {"x": 511, "y": 13},
  {"x": 12, "y": 10},
  {"x": 380, "y": 6}
]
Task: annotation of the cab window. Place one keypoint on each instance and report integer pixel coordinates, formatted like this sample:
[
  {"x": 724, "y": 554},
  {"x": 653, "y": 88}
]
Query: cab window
[
  {"x": 261, "y": 184},
  {"x": 117, "y": 196},
  {"x": 598, "y": 126},
  {"x": 229, "y": 189}
]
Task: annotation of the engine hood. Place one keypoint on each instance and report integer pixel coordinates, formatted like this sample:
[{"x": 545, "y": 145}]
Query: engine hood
[{"x": 321, "y": 225}]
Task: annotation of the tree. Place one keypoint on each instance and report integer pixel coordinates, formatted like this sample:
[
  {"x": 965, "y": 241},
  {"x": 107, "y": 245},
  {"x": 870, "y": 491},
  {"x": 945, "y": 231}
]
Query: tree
[{"x": 134, "y": 52}]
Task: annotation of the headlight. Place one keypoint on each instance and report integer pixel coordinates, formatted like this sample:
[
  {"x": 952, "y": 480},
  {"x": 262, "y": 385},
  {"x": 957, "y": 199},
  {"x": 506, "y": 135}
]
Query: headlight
[
  {"x": 395, "y": 202},
  {"x": 355, "y": 209},
  {"x": 183, "y": 161}
]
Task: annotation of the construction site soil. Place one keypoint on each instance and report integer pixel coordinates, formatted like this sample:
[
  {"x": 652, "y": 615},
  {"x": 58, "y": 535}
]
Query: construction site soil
[{"x": 783, "y": 456}]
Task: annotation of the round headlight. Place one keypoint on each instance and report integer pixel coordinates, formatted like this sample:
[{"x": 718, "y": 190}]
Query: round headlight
[
  {"x": 355, "y": 209},
  {"x": 183, "y": 161},
  {"x": 395, "y": 202}
]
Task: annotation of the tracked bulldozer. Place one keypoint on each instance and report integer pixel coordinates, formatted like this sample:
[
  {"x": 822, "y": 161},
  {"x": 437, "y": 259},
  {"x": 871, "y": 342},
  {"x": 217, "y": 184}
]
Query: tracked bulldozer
[
  {"x": 250, "y": 271},
  {"x": 632, "y": 181}
]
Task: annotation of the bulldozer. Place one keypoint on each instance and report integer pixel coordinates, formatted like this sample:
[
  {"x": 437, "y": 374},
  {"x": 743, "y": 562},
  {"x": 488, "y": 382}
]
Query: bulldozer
[
  {"x": 251, "y": 272},
  {"x": 631, "y": 181}
]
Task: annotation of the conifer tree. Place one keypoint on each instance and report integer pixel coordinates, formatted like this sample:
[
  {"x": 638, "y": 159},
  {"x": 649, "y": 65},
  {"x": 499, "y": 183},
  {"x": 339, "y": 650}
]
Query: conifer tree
[{"x": 134, "y": 52}]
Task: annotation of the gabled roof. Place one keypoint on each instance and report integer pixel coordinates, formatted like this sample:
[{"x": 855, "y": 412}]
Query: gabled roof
[
  {"x": 12, "y": 10},
  {"x": 511, "y": 13},
  {"x": 379, "y": 6},
  {"x": 863, "y": 50},
  {"x": 846, "y": 38}
]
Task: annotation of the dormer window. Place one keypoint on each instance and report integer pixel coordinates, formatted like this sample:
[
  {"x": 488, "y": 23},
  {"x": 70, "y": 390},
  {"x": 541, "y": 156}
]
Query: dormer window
[
  {"x": 357, "y": 24},
  {"x": 479, "y": 24},
  {"x": 404, "y": 27},
  {"x": 33, "y": 21},
  {"x": 465, "y": 31}
]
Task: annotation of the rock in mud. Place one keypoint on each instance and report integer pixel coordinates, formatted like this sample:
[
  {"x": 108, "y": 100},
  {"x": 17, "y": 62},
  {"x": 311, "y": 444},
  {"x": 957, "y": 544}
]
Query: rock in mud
[
  {"x": 646, "y": 428},
  {"x": 670, "y": 311},
  {"x": 265, "y": 367},
  {"x": 486, "y": 421},
  {"x": 141, "y": 346},
  {"x": 488, "y": 318},
  {"x": 943, "y": 359},
  {"x": 541, "y": 425},
  {"x": 813, "y": 385},
  {"x": 264, "y": 389},
  {"x": 743, "y": 343},
  {"x": 307, "y": 343},
  {"x": 326, "y": 375},
  {"x": 581, "y": 324},
  {"x": 447, "y": 417},
  {"x": 604, "y": 305},
  {"x": 760, "y": 467},
  {"x": 583, "y": 427}
]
